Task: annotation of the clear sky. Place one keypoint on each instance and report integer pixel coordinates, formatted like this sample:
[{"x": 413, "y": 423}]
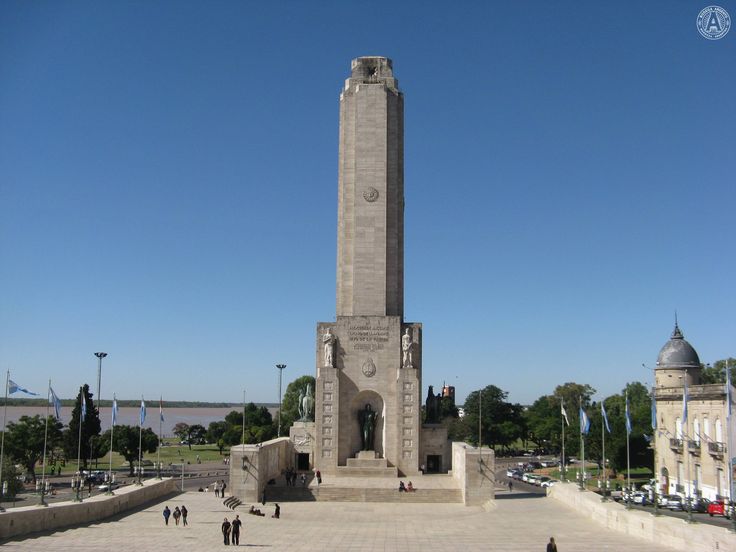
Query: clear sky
[{"x": 168, "y": 189}]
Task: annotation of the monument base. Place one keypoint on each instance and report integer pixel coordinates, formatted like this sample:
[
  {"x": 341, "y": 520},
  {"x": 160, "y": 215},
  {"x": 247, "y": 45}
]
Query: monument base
[{"x": 366, "y": 464}]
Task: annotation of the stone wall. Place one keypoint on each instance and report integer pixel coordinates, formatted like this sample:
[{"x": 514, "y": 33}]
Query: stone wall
[
  {"x": 474, "y": 471},
  {"x": 17, "y": 522},
  {"x": 251, "y": 466},
  {"x": 664, "y": 530},
  {"x": 434, "y": 442}
]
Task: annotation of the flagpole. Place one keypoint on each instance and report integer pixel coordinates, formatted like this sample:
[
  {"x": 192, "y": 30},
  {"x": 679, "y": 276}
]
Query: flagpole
[
  {"x": 78, "y": 497},
  {"x": 42, "y": 502},
  {"x": 158, "y": 451},
  {"x": 603, "y": 440},
  {"x": 686, "y": 451},
  {"x": 563, "y": 470},
  {"x": 140, "y": 441},
  {"x": 582, "y": 446},
  {"x": 729, "y": 444},
  {"x": 628, "y": 458},
  {"x": 2, "y": 444},
  {"x": 242, "y": 441},
  {"x": 112, "y": 440}
]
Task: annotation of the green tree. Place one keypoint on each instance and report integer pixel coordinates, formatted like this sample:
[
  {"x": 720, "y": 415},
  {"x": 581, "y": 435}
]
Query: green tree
[
  {"x": 502, "y": 422},
  {"x": 717, "y": 372},
  {"x": 125, "y": 442},
  {"x": 181, "y": 430},
  {"x": 215, "y": 431},
  {"x": 24, "y": 440},
  {"x": 90, "y": 428},
  {"x": 10, "y": 477},
  {"x": 290, "y": 402}
]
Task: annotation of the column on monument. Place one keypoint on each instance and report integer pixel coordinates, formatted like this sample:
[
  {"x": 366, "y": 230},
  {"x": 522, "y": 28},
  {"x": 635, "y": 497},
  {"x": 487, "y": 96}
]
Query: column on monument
[
  {"x": 409, "y": 392},
  {"x": 327, "y": 404}
]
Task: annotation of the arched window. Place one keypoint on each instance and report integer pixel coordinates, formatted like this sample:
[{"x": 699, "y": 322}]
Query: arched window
[
  {"x": 719, "y": 431},
  {"x": 696, "y": 430},
  {"x": 678, "y": 428},
  {"x": 706, "y": 428}
]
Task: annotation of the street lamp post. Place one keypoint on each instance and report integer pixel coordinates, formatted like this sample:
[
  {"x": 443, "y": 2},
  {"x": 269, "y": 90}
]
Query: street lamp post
[
  {"x": 281, "y": 369},
  {"x": 99, "y": 356}
]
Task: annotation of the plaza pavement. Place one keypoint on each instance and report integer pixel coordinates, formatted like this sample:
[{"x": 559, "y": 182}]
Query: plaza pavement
[{"x": 518, "y": 522}]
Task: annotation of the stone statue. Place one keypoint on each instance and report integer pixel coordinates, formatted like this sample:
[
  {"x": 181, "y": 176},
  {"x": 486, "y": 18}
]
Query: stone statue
[
  {"x": 328, "y": 341},
  {"x": 306, "y": 404},
  {"x": 432, "y": 407},
  {"x": 300, "y": 405},
  {"x": 367, "y": 420},
  {"x": 406, "y": 347}
]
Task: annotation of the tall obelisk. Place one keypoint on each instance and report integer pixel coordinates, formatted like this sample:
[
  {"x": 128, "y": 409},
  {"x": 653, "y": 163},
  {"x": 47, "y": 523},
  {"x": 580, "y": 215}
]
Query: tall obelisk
[{"x": 368, "y": 396}]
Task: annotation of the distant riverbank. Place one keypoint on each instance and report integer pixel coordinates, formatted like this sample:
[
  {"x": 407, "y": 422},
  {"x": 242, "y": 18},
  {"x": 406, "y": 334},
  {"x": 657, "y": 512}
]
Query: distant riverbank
[{"x": 129, "y": 415}]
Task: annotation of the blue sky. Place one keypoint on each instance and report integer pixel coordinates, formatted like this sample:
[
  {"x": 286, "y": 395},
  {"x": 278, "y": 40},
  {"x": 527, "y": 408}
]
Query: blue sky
[{"x": 168, "y": 189}]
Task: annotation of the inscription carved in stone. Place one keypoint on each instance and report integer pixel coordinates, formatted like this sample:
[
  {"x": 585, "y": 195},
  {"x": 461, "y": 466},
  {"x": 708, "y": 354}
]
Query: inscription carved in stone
[{"x": 365, "y": 337}]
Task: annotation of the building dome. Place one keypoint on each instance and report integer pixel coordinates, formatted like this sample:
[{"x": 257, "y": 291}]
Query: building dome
[{"x": 677, "y": 353}]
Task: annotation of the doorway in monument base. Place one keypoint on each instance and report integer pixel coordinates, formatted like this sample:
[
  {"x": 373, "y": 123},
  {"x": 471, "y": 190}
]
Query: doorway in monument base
[
  {"x": 434, "y": 463},
  {"x": 302, "y": 461},
  {"x": 377, "y": 405}
]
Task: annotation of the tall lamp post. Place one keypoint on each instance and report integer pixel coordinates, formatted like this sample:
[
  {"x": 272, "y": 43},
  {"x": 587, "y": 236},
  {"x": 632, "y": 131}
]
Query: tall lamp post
[
  {"x": 99, "y": 356},
  {"x": 281, "y": 369}
]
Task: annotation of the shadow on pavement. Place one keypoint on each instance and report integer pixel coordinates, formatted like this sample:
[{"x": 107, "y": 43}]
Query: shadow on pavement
[{"x": 514, "y": 496}]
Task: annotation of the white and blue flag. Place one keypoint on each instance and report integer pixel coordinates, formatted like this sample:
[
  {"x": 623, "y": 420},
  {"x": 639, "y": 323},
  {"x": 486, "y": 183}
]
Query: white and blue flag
[
  {"x": 584, "y": 422},
  {"x": 143, "y": 411},
  {"x": 56, "y": 402},
  {"x": 654, "y": 411},
  {"x": 564, "y": 412},
  {"x": 14, "y": 387},
  {"x": 605, "y": 417},
  {"x": 684, "y": 404},
  {"x": 84, "y": 405},
  {"x": 627, "y": 416},
  {"x": 114, "y": 410}
]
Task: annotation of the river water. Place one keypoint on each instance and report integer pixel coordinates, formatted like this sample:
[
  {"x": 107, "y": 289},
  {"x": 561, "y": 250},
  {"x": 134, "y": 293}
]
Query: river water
[{"x": 129, "y": 416}]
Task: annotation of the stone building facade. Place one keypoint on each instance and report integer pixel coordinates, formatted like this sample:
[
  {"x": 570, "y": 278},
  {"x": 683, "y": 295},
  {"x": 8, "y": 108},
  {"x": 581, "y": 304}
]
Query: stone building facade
[{"x": 691, "y": 449}]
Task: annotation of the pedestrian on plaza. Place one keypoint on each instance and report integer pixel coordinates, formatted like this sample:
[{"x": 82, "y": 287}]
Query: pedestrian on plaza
[
  {"x": 303, "y": 479},
  {"x": 177, "y": 515},
  {"x": 222, "y": 489},
  {"x": 226, "y": 531},
  {"x": 277, "y": 512},
  {"x": 167, "y": 513},
  {"x": 319, "y": 477},
  {"x": 551, "y": 546},
  {"x": 511, "y": 486},
  {"x": 217, "y": 489},
  {"x": 236, "y": 530},
  {"x": 184, "y": 513},
  {"x": 263, "y": 497}
]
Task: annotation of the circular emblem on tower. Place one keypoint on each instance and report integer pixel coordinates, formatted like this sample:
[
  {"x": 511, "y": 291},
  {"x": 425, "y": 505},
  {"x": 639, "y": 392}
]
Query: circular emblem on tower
[
  {"x": 714, "y": 22},
  {"x": 370, "y": 195},
  {"x": 369, "y": 369}
]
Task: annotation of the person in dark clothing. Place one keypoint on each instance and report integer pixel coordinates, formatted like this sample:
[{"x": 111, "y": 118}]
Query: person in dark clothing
[
  {"x": 277, "y": 512},
  {"x": 551, "y": 546},
  {"x": 167, "y": 513},
  {"x": 184, "y": 513},
  {"x": 236, "y": 530},
  {"x": 226, "y": 531},
  {"x": 319, "y": 477},
  {"x": 223, "y": 486},
  {"x": 177, "y": 515}
]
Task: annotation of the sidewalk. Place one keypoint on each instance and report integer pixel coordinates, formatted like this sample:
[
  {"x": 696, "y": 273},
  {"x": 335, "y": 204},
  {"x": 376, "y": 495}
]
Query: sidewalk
[{"x": 523, "y": 524}]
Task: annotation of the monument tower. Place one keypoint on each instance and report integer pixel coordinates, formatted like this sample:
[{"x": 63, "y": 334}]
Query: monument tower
[{"x": 368, "y": 395}]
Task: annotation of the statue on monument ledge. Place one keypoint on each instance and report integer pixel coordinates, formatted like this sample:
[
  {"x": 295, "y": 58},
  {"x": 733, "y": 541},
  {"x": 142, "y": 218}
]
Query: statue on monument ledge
[
  {"x": 406, "y": 346},
  {"x": 367, "y": 419},
  {"x": 328, "y": 340}
]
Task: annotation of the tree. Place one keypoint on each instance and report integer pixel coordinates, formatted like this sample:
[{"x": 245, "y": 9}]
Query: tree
[
  {"x": 215, "y": 431},
  {"x": 290, "y": 402},
  {"x": 125, "y": 442},
  {"x": 181, "y": 430},
  {"x": 90, "y": 428},
  {"x": 717, "y": 372},
  {"x": 259, "y": 425},
  {"x": 24, "y": 440},
  {"x": 196, "y": 434},
  {"x": 502, "y": 422},
  {"x": 11, "y": 478}
]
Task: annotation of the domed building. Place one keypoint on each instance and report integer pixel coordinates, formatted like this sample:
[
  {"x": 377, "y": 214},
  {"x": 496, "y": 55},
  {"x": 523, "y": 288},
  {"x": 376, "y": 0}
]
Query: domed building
[{"x": 690, "y": 446}]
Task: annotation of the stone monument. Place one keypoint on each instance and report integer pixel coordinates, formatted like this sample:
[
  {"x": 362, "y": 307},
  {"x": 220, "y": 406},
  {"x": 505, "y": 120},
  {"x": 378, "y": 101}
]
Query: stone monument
[{"x": 368, "y": 395}]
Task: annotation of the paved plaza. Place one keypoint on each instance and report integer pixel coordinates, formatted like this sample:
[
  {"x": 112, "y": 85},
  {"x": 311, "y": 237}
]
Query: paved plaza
[{"x": 518, "y": 522}]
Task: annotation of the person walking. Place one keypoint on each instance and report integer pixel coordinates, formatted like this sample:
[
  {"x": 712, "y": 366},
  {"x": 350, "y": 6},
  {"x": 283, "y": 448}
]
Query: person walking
[
  {"x": 277, "y": 512},
  {"x": 223, "y": 486},
  {"x": 217, "y": 489},
  {"x": 226, "y": 531},
  {"x": 319, "y": 477},
  {"x": 236, "y": 524},
  {"x": 167, "y": 513},
  {"x": 184, "y": 513},
  {"x": 511, "y": 486},
  {"x": 551, "y": 546},
  {"x": 177, "y": 515}
]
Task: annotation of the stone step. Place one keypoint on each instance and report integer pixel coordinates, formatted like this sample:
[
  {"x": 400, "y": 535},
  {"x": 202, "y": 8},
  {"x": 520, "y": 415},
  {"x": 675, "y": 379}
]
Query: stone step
[
  {"x": 362, "y": 471},
  {"x": 356, "y": 494}
]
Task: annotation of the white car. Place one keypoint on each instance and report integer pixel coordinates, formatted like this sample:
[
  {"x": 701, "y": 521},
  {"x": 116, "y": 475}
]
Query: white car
[
  {"x": 549, "y": 483},
  {"x": 108, "y": 486}
]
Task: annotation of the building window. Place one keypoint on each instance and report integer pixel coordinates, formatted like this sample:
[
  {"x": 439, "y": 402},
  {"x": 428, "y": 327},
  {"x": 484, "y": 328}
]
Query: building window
[
  {"x": 678, "y": 428},
  {"x": 680, "y": 477},
  {"x": 720, "y": 481},
  {"x": 696, "y": 430},
  {"x": 706, "y": 428},
  {"x": 698, "y": 477},
  {"x": 719, "y": 431}
]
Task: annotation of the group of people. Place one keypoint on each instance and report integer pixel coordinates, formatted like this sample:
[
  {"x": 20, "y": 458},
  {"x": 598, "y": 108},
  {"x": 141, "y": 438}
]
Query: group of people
[
  {"x": 290, "y": 475},
  {"x": 408, "y": 488},
  {"x": 179, "y": 514},
  {"x": 220, "y": 487},
  {"x": 231, "y": 531}
]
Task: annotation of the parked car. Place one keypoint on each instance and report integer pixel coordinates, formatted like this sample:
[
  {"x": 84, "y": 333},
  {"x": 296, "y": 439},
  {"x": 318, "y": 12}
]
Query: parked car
[
  {"x": 640, "y": 498},
  {"x": 675, "y": 502},
  {"x": 542, "y": 480},
  {"x": 718, "y": 508},
  {"x": 549, "y": 483},
  {"x": 700, "y": 505},
  {"x": 108, "y": 486}
]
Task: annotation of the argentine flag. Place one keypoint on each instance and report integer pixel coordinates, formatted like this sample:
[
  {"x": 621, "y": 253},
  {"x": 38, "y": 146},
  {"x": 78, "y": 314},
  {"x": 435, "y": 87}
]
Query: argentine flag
[
  {"x": 143, "y": 411},
  {"x": 13, "y": 387},
  {"x": 57, "y": 404},
  {"x": 627, "y": 415},
  {"x": 84, "y": 406},
  {"x": 584, "y": 422},
  {"x": 605, "y": 417},
  {"x": 114, "y": 410}
]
